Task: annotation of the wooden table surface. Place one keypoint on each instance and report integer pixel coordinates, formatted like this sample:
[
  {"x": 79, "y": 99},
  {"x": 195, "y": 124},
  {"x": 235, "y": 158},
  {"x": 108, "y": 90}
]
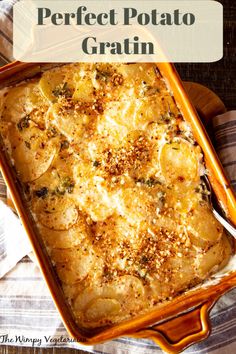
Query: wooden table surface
[{"x": 219, "y": 77}]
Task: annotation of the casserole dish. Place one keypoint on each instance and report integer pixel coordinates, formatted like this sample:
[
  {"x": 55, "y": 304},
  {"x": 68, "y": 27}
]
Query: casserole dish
[{"x": 195, "y": 304}]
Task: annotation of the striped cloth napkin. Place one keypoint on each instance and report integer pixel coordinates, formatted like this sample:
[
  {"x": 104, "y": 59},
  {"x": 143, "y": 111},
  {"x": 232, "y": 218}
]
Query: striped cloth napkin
[{"x": 28, "y": 316}]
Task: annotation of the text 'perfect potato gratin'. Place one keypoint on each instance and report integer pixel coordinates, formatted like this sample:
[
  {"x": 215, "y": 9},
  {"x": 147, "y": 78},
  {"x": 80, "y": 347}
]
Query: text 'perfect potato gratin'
[{"x": 112, "y": 175}]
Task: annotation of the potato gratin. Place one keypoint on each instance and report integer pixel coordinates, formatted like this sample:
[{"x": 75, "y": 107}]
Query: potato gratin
[{"x": 112, "y": 176}]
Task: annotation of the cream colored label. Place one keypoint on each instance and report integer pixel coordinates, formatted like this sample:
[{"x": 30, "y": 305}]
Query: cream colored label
[{"x": 118, "y": 31}]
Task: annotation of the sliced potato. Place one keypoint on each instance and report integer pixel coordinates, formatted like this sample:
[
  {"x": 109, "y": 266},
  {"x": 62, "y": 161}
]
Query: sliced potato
[
  {"x": 118, "y": 229},
  {"x": 124, "y": 289},
  {"x": 136, "y": 72},
  {"x": 137, "y": 113},
  {"x": 66, "y": 238},
  {"x": 32, "y": 152},
  {"x": 122, "y": 81},
  {"x": 144, "y": 205},
  {"x": 215, "y": 258},
  {"x": 55, "y": 211},
  {"x": 169, "y": 222},
  {"x": 69, "y": 276},
  {"x": 72, "y": 255},
  {"x": 85, "y": 269},
  {"x": 74, "y": 264},
  {"x": 21, "y": 100},
  {"x": 179, "y": 162},
  {"x": 158, "y": 289},
  {"x": 129, "y": 291},
  {"x": 114, "y": 133},
  {"x": 84, "y": 89},
  {"x": 86, "y": 297},
  {"x": 101, "y": 309},
  {"x": 153, "y": 109},
  {"x": 91, "y": 192},
  {"x": 57, "y": 82},
  {"x": 62, "y": 218},
  {"x": 182, "y": 197},
  {"x": 58, "y": 176},
  {"x": 127, "y": 286},
  {"x": 156, "y": 130},
  {"x": 183, "y": 271},
  {"x": 48, "y": 83},
  {"x": 122, "y": 114},
  {"x": 72, "y": 123},
  {"x": 139, "y": 80},
  {"x": 72, "y": 273},
  {"x": 71, "y": 291},
  {"x": 203, "y": 228},
  {"x": 39, "y": 116},
  {"x": 227, "y": 250}
]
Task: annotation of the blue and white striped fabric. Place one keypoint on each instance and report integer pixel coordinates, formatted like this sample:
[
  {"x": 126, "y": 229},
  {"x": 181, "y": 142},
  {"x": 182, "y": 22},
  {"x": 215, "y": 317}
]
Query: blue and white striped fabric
[
  {"x": 28, "y": 316},
  {"x": 6, "y": 31},
  {"x": 225, "y": 136}
]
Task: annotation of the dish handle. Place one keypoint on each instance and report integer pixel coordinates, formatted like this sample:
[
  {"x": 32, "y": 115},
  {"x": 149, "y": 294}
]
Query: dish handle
[{"x": 176, "y": 334}]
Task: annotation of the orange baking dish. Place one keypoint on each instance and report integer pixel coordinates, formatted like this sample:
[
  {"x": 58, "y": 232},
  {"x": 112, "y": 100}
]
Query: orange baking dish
[{"x": 185, "y": 319}]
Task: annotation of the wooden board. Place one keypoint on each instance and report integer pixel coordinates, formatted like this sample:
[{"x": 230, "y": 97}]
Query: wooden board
[{"x": 206, "y": 102}]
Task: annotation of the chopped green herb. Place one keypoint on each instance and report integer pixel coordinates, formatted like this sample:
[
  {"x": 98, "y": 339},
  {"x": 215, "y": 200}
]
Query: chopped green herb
[
  {"x": 66, "y": 186},
  {"x": 70, "y": 188},
  {"x": 140, "y": 180},
  {"x": 52, "y": 132},
  {"x": 66, "y": 181},
  {"x": 26, "y": 187},
  {"x": 27, "y": 144},
  {"x": 102, "y": 75},
  {"x": 165, "y": 117},
  {"x": 96, "y": 163},
  {"x": 59, "y": 191},
  {"x": 62, "y": 90},
  {"x": 64, "y": 145},
  {"x": 151, "y": 90},
  {"x": 144, "y": 259},
  {"x": 23, "y": 123},
  {"x": 150, "y": 182},
  {"x": 108, "y": 275},
  {"x": 161, "y": 196},
  {"x": 41, "y": 193}
]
